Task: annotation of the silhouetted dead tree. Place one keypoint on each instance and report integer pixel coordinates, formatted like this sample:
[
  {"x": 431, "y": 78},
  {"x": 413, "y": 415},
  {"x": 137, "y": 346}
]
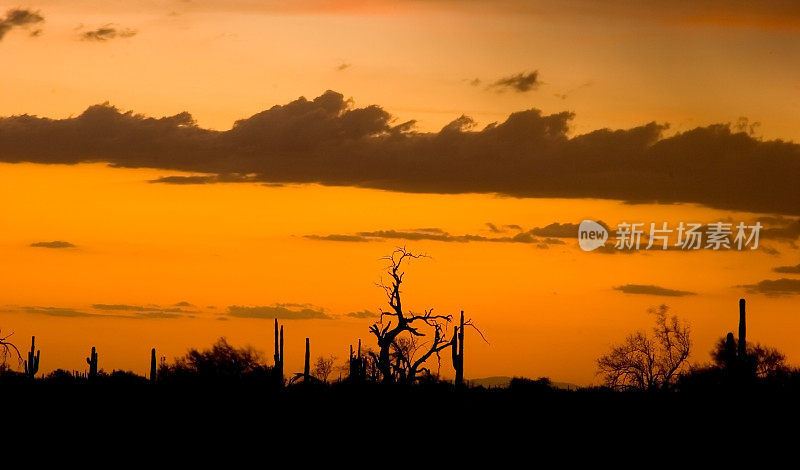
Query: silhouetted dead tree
[
  {"x": 645, "y": 362},
  {"x": 403, "y": 358},
  {"x": 7, "y": 348}
]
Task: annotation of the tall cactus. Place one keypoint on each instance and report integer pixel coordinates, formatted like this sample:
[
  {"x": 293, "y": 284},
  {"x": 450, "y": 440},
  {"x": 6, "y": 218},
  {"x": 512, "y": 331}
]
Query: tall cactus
[
  {"x": 279, "y": 351},
  {"x": 32, "y": 364},
  {"x": 737, "y": 363},
  {"x": 742, "y": 331},
  {"x": 358, "y": 366},
  {"x": 92, "y": 361},
  {"x": 153, "y": 368},
  {"x": 307, "y": 366},
  {"x": 457, "y": 350}
]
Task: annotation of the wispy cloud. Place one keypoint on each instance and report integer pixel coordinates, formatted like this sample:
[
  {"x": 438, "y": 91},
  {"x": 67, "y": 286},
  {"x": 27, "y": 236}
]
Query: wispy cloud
[
  {"x": 520, "y": 82},
  {"x": 439, "y": 235},
  {"x": 787, "y": 269},
  {"x": 112, "y": 311},
  {"x": 649, "y": 289},
  {"x": 362, "y": 314},
  {"x": 145, "y": 311},
  {"x": 136, "y": 308},
  {"x": 20, "y": 18},
  {"x": 774, "y": 287},
  {"x": 338, "y": 238},
  {"x": 57, "y": 312},
  {"x": 106, "y": 32},
  {"x": 785, "y": 229},
  {"x": 53, "y": 244},
  {"x": 279, "y": 311},
  {"x": 206, "y": 179}
]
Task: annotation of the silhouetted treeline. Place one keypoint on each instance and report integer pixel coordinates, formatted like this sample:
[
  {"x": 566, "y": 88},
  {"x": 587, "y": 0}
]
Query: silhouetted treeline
[{"x": 409, "y": 345}]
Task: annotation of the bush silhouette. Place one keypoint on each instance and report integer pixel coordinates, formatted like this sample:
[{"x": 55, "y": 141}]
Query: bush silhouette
[{"x": 222, "y": 362}]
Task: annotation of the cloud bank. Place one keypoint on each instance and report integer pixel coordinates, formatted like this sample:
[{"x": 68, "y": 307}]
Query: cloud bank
[{"x": 328, "y": 141}]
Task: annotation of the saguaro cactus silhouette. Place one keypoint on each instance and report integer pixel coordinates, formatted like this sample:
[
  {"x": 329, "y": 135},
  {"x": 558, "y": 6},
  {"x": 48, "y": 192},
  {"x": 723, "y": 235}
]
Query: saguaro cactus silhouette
[
  {"x": 458, "y": 351},
  {"x": 738, "y": 363},
  {"x": 92, "y": 361},
  {"x": 742, "y": 331},
  {"x": 32, "y": 364},
  {"x": 153, "y": 368},
  {"x": 279, "y": 351},
  {"x": 307, "y": 366},
  {"x": 358, "y": 366},
  {"x": 308, "y": 379}
]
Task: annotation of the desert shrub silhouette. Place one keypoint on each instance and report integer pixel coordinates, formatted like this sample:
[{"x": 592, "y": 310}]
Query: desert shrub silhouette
[
  {"x": 222, "y": 363},
  {"x": 522, "y": 384},
  {"x": 654, "y": 361}
]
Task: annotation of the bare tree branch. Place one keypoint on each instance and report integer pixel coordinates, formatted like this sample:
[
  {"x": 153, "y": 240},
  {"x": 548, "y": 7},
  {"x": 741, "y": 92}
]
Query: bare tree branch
[{"x": 397, "y": 340}]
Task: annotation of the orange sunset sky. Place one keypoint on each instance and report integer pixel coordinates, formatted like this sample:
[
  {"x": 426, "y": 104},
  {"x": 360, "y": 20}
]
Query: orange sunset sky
[{"x": 180, "y": 229}]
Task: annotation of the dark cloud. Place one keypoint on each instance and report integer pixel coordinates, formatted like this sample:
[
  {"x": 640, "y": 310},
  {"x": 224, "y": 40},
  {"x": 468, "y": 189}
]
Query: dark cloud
[
  {"x": 493, "y": 228},
  {"x": 118, "y": 307},
  {"x": 279, "y": 311},
  {"x": 53, "y": 244},
  {"x": 559, "y": 230},
  {"x": 57, "y": 312},
  {"x": 104, "y": 33},
  {"x": 143, "y": 311},
  {"x": 137, "y": 308},
  {"x": 111, "y": 311},
  {"x": 647, "y": 289},
  {"x": 775, "y": 287},
  {"x": 22, "y": 18},
  {"x": 569, "y": 93},
  {"x": 187, "y": 179},
  {"x": 439, "y": 235},
  {"x": 363, "y": 314},
  {"x": 338, "y": 238},
  {"x": 784, "y": 229},
  {"x": 421, "y": 234},
  {"x": 787, "y": 269},
  {"x": 328, "y": 141},
  {"x": 520, "y": 82},
  {"x": 205, "y": 179}
]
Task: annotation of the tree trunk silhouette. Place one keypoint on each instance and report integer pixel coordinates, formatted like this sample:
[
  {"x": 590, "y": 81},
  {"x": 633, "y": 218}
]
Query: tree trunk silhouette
[{"x": 405, "y": 368}]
